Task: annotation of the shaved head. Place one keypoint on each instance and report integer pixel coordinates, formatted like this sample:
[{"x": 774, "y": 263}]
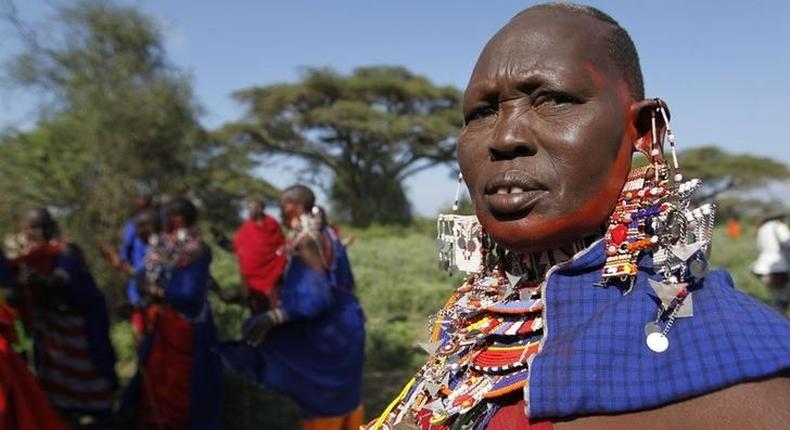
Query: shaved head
[
  {"x": 553, "y": 111},
  {"x": 620, "y": 46},
  {"x": 299, "y": 194},
  {"x": 39, "y": 222}
]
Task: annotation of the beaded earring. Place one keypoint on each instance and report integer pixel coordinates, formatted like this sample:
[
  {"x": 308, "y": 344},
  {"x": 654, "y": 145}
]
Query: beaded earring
[
  {"x": 460, "y": 239},
  {"x": 653, "y": 215}
]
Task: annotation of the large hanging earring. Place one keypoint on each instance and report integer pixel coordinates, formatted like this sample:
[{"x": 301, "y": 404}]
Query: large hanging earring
[
  {"x": 654, "y": 214},
  {"x": 460, "y": 239}
]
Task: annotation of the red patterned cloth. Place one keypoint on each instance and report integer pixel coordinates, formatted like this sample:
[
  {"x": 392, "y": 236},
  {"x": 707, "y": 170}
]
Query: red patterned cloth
[
  {"x": 258, "y": 246},
  {"x": 64, "y": 365},
  {"x": 168, "y": 371},
  {"x": 22, "y": 403},
  {"x": 513, "y": 416}
]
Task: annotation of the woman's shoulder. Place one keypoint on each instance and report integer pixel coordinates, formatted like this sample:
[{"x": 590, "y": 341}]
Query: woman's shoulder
[{"x": 763, "y": 404}]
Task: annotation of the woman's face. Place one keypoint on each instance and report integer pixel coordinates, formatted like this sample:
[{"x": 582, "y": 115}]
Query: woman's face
[
  {"x": 32, "y": 232},
  {"x": 290, "y": 212},
  {"x": 548, "y": 137}
]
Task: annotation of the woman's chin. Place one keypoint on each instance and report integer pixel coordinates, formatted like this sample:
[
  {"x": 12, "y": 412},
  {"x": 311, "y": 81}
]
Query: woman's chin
[{"x": 533, "y": 233}]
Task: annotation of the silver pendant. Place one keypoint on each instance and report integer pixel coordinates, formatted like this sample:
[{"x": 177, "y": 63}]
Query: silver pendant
[
  {"x": 651, "y": 327},
  {"x": 657, "y": 342}
]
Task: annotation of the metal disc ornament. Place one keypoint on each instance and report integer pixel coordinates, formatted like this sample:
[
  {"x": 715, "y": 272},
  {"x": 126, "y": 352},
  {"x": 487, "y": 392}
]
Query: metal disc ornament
[
  {"x": 651, "y": 328},
  {"x": 657, "y": 342}
]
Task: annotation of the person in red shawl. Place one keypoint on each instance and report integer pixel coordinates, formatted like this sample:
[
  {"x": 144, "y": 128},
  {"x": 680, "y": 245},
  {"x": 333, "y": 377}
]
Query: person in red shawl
[
  {"x": 22, "y": 403},
  {"x": 259, "y": 245}
]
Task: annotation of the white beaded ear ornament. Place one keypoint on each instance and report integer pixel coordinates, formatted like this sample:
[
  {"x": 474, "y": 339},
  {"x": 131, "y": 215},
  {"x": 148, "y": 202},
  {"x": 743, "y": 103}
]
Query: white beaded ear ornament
[
  {"x": 459, "y": 239},
  {"x": 653, "y": 214}
]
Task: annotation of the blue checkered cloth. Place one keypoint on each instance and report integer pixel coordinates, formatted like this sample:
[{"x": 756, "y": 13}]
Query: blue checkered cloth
[{"x": 595, "y": 359}]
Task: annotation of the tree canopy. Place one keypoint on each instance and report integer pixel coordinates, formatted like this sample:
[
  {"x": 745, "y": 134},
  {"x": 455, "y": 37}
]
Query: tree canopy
[
  {"x": 370, "y": 129},
  {"x": 116, "y": 117},
  {"x": 741, "y": 171}
]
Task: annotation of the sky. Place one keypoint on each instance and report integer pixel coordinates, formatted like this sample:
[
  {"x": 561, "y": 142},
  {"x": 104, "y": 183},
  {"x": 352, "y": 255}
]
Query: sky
[{"x": 723, "y": 66}]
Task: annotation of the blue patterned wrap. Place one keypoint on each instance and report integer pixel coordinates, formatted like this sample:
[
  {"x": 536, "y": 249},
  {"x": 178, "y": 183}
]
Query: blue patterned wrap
[{"x": 594, "y": 359}]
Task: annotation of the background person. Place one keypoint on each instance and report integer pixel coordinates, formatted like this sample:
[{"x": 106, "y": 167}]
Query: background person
[
  {"x": 178, "y": 384},
  {"x": 772, "y": 264},
  {"x": 67, "y": 316},
  {"x": 311, "y": 346}
]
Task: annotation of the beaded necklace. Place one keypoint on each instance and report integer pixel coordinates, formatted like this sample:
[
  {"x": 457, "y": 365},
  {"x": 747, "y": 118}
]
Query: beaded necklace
[{"x": 481, "y": 344}]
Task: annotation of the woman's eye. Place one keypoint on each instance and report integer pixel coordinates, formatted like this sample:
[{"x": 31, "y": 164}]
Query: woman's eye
[
  {"x": 480, "y": 113},
  {"x": 555, "y": 98}
]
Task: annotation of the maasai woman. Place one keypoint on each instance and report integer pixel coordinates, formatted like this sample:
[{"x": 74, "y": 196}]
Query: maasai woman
[
  {"x": 581, "y": 313},
  {"x": 179, "y": 383},
  {"x": 23, "y": 404},
  {"x": 311, "y": 346},
  {"x": 67, "y": 316},
  {"x": 130, "y": 258}
]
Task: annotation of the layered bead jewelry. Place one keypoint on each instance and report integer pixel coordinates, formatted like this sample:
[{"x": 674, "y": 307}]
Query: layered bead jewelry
[{"x": 653, "y": 213}]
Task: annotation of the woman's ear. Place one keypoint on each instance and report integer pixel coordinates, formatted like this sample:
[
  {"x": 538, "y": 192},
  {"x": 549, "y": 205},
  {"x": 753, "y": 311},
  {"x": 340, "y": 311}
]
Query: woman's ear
[{"x": 650, "y": 127}]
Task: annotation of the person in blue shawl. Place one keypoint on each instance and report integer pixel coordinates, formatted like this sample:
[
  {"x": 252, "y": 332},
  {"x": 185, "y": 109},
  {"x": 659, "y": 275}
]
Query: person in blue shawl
[
  {"x": 130, "y": 257},
  {"x": 311, "y": 346},
  {"x": 66, "y": 314},
  {"x": 179, "y": 383}
]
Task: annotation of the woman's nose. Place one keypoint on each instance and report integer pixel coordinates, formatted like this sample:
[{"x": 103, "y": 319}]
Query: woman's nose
[{"x": 512, "y": 137}]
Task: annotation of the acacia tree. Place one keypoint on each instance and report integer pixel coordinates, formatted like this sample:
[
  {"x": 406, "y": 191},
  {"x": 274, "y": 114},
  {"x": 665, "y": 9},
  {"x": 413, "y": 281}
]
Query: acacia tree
[
  {"x": 371, "y": 129},
  {"x": 733, "y": 171}
]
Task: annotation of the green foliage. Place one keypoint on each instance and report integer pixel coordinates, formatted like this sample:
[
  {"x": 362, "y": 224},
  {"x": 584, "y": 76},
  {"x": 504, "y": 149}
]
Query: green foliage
[
  {"x": 370, "y": 129},
  {"x": 736, "y": 256},
  {"x": 119, "y": 118},
  {"x": 711, "y": 163},
  {"x": 728, "y": 178}
]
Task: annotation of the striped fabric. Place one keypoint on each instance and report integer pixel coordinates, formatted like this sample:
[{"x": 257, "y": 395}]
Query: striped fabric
[{"x": 64, "y": 367}]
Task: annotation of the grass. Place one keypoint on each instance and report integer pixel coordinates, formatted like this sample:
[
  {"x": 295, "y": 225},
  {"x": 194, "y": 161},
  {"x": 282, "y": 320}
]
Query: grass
[{"x": 399, "y": 286}]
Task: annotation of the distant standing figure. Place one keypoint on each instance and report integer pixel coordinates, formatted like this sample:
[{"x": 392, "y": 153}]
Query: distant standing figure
[
  {"x": 178, "y": 385},
  {"x": 23, "y": 404},
  {"x": 772, "y": 265},
  {"x": 259, "y": 246},
  {"x": 733, "y": 228},
  {"x": 311, "y": 346},
  {"x": 130, "y": 258},
  {"x": 67, "y": 315}
]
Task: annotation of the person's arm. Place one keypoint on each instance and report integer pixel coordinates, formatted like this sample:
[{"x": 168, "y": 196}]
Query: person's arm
[
  {"x": 222, "y": 240},
  {"x": 72, "y": 281},
  {"x": 753, "y": 405},
  {"x": 225, "y": 295},
  {"x": 306, "y": 292}
]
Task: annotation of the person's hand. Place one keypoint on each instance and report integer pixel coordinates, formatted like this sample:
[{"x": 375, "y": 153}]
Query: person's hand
[
  {"x": 222, "y": 240},
  {"x": 154, "y": 292},
  {"x": 111, "y": 255},
  {"x": 347, "y": 241},
  {"x": 257, "y": 328}
]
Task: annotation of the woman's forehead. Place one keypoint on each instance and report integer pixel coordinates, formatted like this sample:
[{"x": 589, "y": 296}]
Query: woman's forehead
[{"x": 561, "y": 45}]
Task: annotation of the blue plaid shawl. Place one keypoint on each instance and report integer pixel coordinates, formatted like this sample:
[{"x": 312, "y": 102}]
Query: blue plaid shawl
[{"x": 594, "y": 359}]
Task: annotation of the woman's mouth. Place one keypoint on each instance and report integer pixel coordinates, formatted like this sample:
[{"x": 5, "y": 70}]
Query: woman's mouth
[{"x": 512, "y": 192}]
